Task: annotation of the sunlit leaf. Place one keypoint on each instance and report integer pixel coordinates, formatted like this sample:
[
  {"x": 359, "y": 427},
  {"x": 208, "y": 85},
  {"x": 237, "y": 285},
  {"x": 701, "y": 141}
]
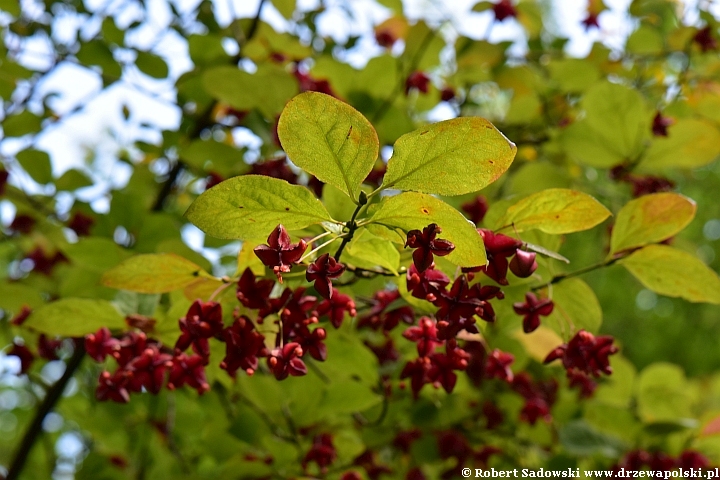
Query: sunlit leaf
[
  {"x": 452, "y": 157},
  {"x": 556, "y": 211},
  {"x": 672, "y": 272},
  {"x": 329, "y": 139},
  {"x": 153, "y": 273},
  {"x": 250, "y": 206},
  {"x": 650, "y": 219},
  {"x": 75, "y": 317}
]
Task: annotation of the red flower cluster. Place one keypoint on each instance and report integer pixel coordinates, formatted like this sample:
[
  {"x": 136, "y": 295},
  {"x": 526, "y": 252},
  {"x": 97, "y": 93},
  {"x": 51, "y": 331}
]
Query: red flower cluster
[
  {"x": 437, "y": 369},
  {"x": 81, "y": 224},
  {"x": 243, "y": 346},
  {"x": 378, "y": 318},
  {"x": 539, "y": 397},
  {"x": 322, "y": 452},
  {"x": 143, "y": 363},
  {"x": 641, "y": 184},
  {"x": 585, "y": 353},
  {"x": 203, "y": 320},
  {"x": 453, "y": 444},
  {"x": 636, "y": 460}
]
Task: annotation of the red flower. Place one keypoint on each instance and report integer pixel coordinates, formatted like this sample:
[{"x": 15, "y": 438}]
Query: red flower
[
  {"x": 523, "y": 263},
  {"x": 47, "y": 348},
  {"x": 582, "y": 382},
  {"x": 321, "y": 271},
  {"x": 23, "y": 224},
  {"x": 254, "y": 294},
  {"x": 336, "y": 306},
  {"x": 280, "y": 254},
  {"x": 21, "y": 316},
  {"x": 426, "y": 245},
  {"x": 24, "y": 355},
  {"x": 286, "y": 361},
  {"x": 425, "y": 335},
  {"x": 100, "y": 344},
  {"x": 202, "y": 321},
  {"x": 148, "y": 370},
  {"x": 532, "y": 309},
  {"x": 322, "y": 452},
  {"x": 586, "y": 353},
  {"x": 190, "y": 371},
  {"x": 504, "y": 9},
  {"x": 418, "y": 81},
  {"x": 81, "y": 224},
  {"x": 428, "y": 285},
  {"x": 704, "y": 38},
  {"x": 385, "y": 38},
  {"x": 498, "y": 248},
  {"x": 534, "y": 409},
  {"x": 660, "y": 125},
  {"x": 498, "y": 365},
  {"x": 112, "y": 387},
  {"x": 476, "y": 208},
  {"x": 243, "y": 346},
  {"x": 591, "y": 21}
]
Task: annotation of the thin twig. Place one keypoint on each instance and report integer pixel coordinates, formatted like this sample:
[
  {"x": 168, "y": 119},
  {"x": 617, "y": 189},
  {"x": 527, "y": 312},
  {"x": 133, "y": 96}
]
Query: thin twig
[{"x": 51, "y": 398}]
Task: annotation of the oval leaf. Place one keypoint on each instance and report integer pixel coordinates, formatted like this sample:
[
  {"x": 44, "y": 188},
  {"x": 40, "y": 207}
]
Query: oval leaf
[
  {"x": 555, "y": 211},
  {"x": 268, "y": 89},
  {"x": 576, "y": 308},
  {"x": 674, "y": 273},
  {"x": 75, "y": 317},
  {"x": 651, "y": 219},
  {"x": 250, "y": 206},
  {"x": 690, "y": 143},
  {"x": 153, "y": 273},
  {"x": 410, "y": 210},
  {"x": 329, "y": 139},
  {"x": 452, "y": 157}
]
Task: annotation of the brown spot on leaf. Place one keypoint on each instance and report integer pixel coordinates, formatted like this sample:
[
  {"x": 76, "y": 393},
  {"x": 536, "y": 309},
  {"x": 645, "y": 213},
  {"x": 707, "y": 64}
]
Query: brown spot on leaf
[
  {"x": 425, "y": 211},
  {"x": 287, "y": 209},
  {"x": 423, "y": 133}
]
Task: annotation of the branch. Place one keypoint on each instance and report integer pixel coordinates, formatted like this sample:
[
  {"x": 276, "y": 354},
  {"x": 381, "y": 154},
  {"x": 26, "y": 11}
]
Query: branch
[
  {"x": 51, "y": 398},
  {"x": 352, "y": 226},
  {"x": 564, "y": 276}
]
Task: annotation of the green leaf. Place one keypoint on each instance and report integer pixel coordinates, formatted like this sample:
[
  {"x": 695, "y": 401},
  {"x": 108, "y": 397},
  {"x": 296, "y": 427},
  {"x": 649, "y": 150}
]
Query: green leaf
[
  {"x": 579, "y": 438},
  {"x": 153, "y": 273},
  {"x": 668, "y": 271},
  {"x": 111, "y": 32},
  {"x": 576, "y": 307},
  {"x": 36, "y": 164},
  {"x": 285, "y": 7},
  {"x": 555, "y": 211},
  {"x": 225, "y": 159},
  {"x": 452, "y": 157},
  {"x": 71, "y": 180},
  {"x": 21, "y": 124},
  {"x": 329, "y": 139},
  {"x": 663, "y": 394},
  {"x": 368, "y": 251},
  {"x": 268, "y": 89},
  {"x": 690, "y": 143},
  {"x": 151, "y": 64},
  {"x": 10, "y": 6},
  {"x": 75, "y": 317},
  {"x": 97, "y": 53},
  {"x": 347, "y": 397},
  {"x": 250, "y": 206},
  {"x": 573, "y": 74},
  {"x": 409, "y": 211},
  {"x": 651, "y": 219},
  {"x": 616, "y": 125}
]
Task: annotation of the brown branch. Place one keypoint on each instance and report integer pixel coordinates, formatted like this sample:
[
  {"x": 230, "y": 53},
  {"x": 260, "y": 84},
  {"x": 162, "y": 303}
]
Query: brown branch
[{"x": 51, "y": 398}]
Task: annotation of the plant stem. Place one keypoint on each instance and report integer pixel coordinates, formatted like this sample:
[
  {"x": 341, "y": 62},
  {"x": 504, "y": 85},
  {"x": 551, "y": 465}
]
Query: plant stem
[
  {"x": 564, "y": 276},
  {"x": 51, "y": 398},
  {"x": 352, "y": 226}
]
